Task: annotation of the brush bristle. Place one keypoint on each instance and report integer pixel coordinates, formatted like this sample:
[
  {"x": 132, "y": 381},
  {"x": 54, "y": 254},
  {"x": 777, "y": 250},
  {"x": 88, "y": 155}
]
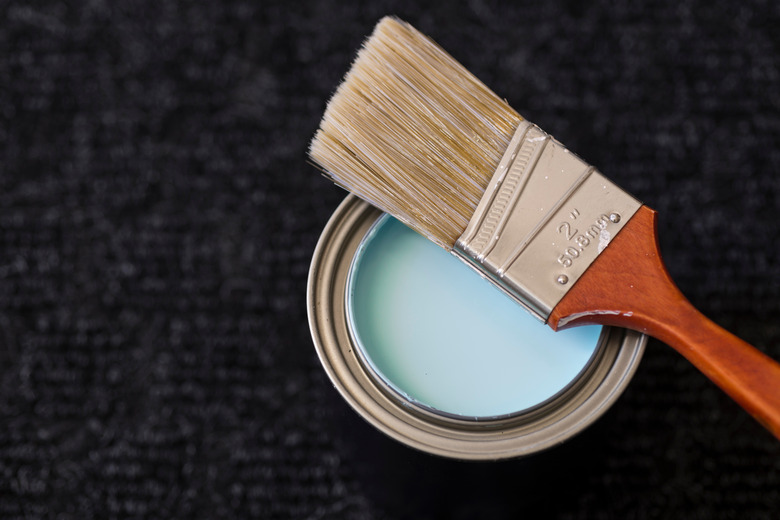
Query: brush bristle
[{"x": 414, "y": 133}]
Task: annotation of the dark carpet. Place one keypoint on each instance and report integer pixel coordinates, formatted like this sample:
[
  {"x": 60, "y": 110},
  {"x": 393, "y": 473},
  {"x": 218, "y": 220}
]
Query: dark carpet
[{"x": 158, "y": 216}]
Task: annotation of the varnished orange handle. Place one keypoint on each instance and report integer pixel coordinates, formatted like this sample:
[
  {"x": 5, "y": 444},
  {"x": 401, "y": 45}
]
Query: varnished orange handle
[{"x": 629, "y": 286}]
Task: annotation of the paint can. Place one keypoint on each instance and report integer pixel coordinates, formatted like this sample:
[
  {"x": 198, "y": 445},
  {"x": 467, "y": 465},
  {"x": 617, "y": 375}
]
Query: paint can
[{"x": 410, "y": 413}]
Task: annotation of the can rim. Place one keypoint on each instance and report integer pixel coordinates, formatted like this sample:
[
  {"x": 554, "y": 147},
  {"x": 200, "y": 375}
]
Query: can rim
[{"x": 485, "y": 439}]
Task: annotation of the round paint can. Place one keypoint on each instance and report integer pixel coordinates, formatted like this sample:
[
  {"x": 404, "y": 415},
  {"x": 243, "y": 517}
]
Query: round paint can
[{"x": 437, "y": 358}]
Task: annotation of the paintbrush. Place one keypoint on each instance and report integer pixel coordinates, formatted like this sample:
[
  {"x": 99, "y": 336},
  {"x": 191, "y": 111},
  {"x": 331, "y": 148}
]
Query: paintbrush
[{"x": 414, "y": 133}]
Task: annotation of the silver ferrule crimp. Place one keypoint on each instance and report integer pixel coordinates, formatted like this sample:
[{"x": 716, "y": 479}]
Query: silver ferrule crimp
[{"x": 544, "y": 218}]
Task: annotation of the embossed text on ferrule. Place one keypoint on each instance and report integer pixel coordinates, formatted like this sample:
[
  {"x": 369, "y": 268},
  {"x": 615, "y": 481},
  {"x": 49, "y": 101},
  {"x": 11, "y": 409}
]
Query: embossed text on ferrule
[
  {"x": 544, "y": 218},
  {"x": 577, "y": 240}
]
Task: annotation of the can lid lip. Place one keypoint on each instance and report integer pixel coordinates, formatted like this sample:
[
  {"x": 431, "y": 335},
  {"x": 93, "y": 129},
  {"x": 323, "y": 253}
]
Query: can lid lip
[{"x": 504, "y": 437}]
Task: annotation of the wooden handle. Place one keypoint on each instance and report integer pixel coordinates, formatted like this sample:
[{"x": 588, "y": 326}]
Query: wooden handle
[{"x": 628, "y": 286}]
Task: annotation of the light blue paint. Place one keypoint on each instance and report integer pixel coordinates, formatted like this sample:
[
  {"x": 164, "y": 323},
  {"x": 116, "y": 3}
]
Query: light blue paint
[{"x": 444, "y": 337}]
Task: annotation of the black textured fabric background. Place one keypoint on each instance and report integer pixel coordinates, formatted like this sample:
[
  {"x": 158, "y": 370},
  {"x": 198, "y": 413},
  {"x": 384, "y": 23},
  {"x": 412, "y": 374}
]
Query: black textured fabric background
[{"x": 157, "y": 219}]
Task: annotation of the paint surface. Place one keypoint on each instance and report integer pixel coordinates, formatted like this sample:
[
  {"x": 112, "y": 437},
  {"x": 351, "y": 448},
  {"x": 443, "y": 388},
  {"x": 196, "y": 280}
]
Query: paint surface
[{"x": 447, "y": 339}]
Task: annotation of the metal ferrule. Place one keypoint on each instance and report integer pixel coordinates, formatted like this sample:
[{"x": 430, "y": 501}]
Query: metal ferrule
[{"x": 544, "y": 218}]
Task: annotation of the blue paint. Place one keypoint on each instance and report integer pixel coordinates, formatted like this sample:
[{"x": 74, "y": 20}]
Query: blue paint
[{"x": 445, "y": 338}]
